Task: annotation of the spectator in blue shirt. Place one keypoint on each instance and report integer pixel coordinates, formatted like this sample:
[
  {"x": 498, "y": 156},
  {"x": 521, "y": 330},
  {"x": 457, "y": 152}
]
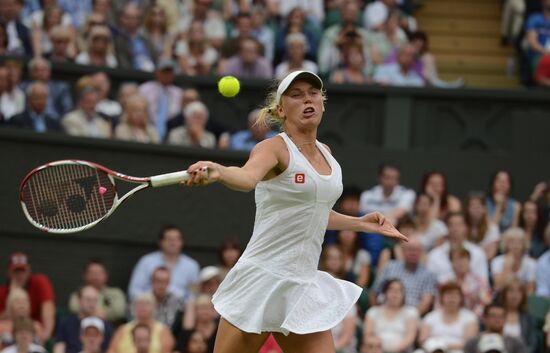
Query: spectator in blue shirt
[
  {"x": 247, "y": 139},
  {"x": 35, "y": 116},
  {"x": 543, "y": 269},
  {"x": 184, "y": 270},
  {"x": 538, "y": 33}
]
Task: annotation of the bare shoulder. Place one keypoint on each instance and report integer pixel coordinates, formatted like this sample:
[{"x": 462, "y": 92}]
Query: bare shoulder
[
  {"x": 326, "y": 146},
  {"x": 272, "y": 144}
]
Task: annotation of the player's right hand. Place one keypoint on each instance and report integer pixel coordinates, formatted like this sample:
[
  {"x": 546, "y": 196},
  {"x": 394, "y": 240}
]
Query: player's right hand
[{"x": 202, "y": 173}]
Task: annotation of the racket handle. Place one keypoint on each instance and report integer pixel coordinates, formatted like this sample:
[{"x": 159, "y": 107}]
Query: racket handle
[
  {"x": 171, "y": 178},
  {"x": 168, "y": 179}
]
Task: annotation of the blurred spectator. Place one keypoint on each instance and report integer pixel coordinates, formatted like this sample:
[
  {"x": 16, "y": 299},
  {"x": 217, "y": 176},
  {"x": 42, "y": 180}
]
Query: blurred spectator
[
  {"x": 61, "y": 38},
  {"x": 333, "y": 262},
  {"x": 262, "y": 32},
  {"x": 393, "y": 250},
  {"x": 92, "y": 20},
  {"x": 19, "y": 37},
  {"x": 371, "y": 344},
  {"x": 353, "y": 69},
  {"x": 77, "y": 9},
  {"x": 67, "y": 332},
  {"x": 494, "y": 316},
  {"x": 155, "y": 30},
  {"x": 438, "y": 259},
  {"x": 348, "y": 203},
  {"x": 400, "y": 73},
  {"x": 60, "y": 100},
  {"x": 184, "y": 270},
  {"x": 214, "y": 25},
  {"x": 99, "y": 48},
  {"x": 84, "y": 121},
  {"x": 242, "y": 30},
  {"x": 205, "y": 322},
  {"x": 357, "y": 261},
  {"x": 529, "y": 221},
  {"x": 195, "y": 55},
  {"x": 514, "y": 261},
  {"x": 434, "y": 183},
  {"x": 92, "y": 331},
  {"x": 503, "y": 210},
  {"x": 314, "y": 9},
  {"x": 35, "y": 116},
  {"x": 296, "y": 44},
  {"x": 542, "y": 71},
  {"x": 193, "y": 133},
  {"x": 18, "y": 306},
  {"x": 38, "y": 287},
  {"x": 543, "y": 269},
  {"x": 12, "y": 100},
  {"x": 189, "y": 95},
  {"x": 229, "y": 254},
  {"x": 23, "y": 333},
  {"x": 111, "y": 109},
  {"x": 425, "y": 64},
  {"x": 340, "y": 36},
  {"x": 388, "y": 197},
  {"x": 133, "y": 49},
  {"x": 394, "y": 322},
  {"x": 451, "y": 323},
  {"x": 513, "y": 13},
  {"x": 141, "y": 336},
  {"x": 135, "y": 124},
  {"x": 519, "y": 322},
  {"x": 209, "y": 280},
  {"x": 295, "y": 22},
  {"x": 384, "y": 38},
  {"x": 103, "y": 7},
  {"x": 247, "y": 139},
  {"x": 112, "y": 300},
  {"x": 537, "y": 34},
  {"x": 430, "y": 230},
  {"x": 125, "y": 91},
  {"x": 163, "y": 97},
  {"x": 481, "y": 231},
  {"x": 3, "y": 39},
  {"x": 419, "y": 283},
  {"x": 378, "y": 11},
  {"x": 167, "y": 304},
  {"x": 541, "y": 195},
  {"x": 248, "y": 63},
  {"x": 475, "y": 289},
  {"x": 143, "y": 307},
  {"x": 50, "y": 17}
]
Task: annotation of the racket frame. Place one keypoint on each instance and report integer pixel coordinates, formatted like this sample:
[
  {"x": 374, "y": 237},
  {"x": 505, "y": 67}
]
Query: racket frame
[{"x": 145, "y": 182}]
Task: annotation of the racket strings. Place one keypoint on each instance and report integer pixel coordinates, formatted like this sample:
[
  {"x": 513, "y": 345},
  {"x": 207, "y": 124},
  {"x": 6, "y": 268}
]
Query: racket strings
[{"x": 68, "y": 196}]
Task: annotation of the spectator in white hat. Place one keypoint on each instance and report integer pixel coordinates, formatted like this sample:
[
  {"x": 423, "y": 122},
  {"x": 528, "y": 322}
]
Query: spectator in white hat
[{"x": 91, "y": 334}]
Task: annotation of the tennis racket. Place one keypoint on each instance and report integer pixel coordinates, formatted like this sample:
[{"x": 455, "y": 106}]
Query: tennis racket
[{"x": 70, "y": 196}]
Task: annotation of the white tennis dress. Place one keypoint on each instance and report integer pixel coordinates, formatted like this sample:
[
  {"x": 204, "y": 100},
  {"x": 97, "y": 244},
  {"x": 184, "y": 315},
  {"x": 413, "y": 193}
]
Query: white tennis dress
[{"x": 275, "y": 286}]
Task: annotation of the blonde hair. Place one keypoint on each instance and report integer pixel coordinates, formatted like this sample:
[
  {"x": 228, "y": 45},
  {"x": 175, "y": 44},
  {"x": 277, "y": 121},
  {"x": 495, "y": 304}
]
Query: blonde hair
[
  {"x": 131, "y": 101},
  {"x": 269, "y": 114},
  {"x": 16, "y": 293},
  {"x": 514, "y": 233}
]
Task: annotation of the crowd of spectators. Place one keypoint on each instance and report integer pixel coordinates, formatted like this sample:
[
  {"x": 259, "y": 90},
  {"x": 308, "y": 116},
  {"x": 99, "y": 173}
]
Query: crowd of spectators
[
  {"x": 474, "y": 277},
  {"x": 345, "y": 41}
]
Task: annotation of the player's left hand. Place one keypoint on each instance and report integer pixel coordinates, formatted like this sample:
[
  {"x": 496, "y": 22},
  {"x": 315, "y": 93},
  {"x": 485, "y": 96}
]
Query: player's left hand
[{"x": 376, "y": 222}]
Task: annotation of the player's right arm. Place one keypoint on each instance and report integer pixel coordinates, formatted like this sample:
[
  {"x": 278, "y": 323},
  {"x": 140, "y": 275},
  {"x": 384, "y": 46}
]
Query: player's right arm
[{"x": 264, "y": 158}]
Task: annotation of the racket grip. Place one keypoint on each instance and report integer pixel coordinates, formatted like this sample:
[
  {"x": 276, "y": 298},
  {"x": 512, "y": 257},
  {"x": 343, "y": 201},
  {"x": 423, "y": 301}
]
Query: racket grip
[{"x": 168, "y": 179}]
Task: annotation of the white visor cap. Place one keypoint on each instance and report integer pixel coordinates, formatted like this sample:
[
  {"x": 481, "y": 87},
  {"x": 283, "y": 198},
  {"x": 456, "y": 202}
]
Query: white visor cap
[{"x": 293, "y": 76}]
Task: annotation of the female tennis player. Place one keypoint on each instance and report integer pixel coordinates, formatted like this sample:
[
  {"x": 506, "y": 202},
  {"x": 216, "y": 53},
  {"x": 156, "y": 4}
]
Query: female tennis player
[{"x": 275, "y": 286}]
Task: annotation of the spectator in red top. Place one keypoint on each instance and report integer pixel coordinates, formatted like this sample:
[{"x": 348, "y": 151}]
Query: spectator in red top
[
  {"x": 37, "y": 285},
  {"x": 542, "y": 74}
]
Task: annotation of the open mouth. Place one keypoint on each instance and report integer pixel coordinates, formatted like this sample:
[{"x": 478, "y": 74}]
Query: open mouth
[{"x": 309, "y": 111}]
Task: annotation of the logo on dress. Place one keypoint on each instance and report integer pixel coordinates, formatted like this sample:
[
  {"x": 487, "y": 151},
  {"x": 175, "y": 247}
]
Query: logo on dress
[{"x": 300, "y": 178}]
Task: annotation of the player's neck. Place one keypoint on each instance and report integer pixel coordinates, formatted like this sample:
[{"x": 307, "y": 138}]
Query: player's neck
[{"x": 303, "y": 141}]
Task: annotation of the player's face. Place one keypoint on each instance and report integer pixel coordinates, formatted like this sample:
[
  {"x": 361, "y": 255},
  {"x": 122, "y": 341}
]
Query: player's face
[{"x": 302, "y": 105}]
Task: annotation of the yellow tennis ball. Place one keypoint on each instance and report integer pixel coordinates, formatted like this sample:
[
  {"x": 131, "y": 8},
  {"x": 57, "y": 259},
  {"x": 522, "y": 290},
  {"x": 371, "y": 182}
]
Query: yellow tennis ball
[{"x": 229, "y": 86}]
